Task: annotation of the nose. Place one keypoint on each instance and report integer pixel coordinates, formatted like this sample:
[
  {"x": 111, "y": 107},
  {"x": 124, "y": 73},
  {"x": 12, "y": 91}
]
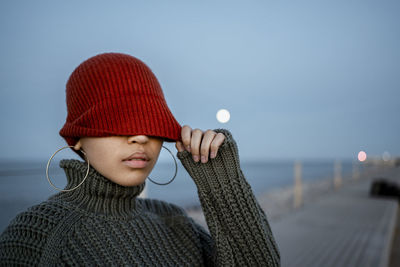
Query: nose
[{"x": 142, "y": 139}]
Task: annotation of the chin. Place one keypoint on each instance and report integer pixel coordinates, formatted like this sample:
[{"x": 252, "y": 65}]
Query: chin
[{"x": 130, "y": 182}]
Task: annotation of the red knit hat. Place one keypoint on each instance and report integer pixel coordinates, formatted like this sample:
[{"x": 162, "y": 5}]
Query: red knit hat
[{"x": 116, "y": 94}]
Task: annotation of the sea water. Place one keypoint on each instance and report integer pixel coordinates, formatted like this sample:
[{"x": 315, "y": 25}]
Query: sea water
[{"x": 23, "y": 184}]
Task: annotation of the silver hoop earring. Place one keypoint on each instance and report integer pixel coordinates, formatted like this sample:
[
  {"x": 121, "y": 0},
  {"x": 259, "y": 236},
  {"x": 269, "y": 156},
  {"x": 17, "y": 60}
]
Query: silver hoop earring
[
  {"x": 176, "y": 170},
  {"x": 47, "y": 171}
]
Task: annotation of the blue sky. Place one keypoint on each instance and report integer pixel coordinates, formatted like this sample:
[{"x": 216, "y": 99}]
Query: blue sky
[{"x": 301, "y": 79}]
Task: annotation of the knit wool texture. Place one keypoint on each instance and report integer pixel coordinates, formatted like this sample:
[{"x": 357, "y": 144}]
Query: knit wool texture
[
  {"x": 103, "y": 223},
  {"x": 116, "y": 94}
]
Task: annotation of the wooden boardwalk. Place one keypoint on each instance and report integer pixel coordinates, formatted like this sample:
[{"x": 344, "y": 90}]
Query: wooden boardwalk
[{"x": 346, "y": 227}]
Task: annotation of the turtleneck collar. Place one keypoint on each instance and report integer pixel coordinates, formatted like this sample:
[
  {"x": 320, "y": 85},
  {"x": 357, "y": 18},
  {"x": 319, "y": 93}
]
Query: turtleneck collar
[{"x": 97, "y": 194}]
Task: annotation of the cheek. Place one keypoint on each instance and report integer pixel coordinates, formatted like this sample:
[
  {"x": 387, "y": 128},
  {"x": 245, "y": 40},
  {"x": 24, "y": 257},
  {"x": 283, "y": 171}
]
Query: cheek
[
  {"x": 101, "y": 153},
  {"x": 156, "y": 149}
]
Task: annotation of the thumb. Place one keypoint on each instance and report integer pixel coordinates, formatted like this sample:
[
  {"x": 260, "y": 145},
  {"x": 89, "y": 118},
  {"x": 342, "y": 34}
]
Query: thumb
[{"x": 179, "y": 146}]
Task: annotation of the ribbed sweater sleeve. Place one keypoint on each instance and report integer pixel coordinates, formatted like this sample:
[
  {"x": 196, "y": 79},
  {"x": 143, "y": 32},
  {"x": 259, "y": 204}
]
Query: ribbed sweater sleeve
[{"x": 240, "y": 232}]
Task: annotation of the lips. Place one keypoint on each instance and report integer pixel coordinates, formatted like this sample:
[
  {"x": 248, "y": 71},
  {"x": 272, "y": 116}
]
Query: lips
[
  {"x": 136, "y": 160},
  {"x": 137, "y": 156}
]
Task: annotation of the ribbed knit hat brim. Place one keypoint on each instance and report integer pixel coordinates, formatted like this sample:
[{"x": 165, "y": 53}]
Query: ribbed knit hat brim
[{"x": 132, "y": 116}]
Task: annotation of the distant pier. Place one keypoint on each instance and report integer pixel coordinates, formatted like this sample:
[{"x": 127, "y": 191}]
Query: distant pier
[
  {"x": 346, "y": 227},
  {"x": 334, "y": 222}
]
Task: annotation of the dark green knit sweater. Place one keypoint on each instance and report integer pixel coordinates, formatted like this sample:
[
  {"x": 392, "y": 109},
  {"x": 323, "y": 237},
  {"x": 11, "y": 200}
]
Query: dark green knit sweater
[{"x": 103, "y": 223}]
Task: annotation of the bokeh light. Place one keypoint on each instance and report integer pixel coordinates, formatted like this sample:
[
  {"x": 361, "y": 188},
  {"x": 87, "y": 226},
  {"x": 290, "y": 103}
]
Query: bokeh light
[
  {"x": 362, "y": 156},
  {"x": 386, "y": 156},
  {"x": 223, "y": 115}
]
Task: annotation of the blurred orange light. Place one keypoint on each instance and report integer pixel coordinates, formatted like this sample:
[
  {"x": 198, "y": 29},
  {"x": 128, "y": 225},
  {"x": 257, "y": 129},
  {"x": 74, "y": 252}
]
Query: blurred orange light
[{"x": 362, "y": 156}]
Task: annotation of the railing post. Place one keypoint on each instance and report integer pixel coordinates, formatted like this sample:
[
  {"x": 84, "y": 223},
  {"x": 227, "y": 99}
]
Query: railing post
[
  {"x": 298, "y": 188},
  {"x": 337, "y": 180},
  {"x": 356, "y": 170}
]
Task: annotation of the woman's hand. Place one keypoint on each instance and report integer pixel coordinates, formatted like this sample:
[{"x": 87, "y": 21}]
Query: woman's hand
[{"x": 200, "y": 143}]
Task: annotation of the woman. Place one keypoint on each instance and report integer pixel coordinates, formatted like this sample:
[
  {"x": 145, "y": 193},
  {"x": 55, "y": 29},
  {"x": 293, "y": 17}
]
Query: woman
[{"x": 117, "y": 122}]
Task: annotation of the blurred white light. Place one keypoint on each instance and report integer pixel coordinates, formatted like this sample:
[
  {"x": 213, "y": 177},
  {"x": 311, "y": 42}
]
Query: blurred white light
[
  {"x": 362, "y": 156},
  {"x": 223, "y": 115},
  {"x": 386, "y": 156}
]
